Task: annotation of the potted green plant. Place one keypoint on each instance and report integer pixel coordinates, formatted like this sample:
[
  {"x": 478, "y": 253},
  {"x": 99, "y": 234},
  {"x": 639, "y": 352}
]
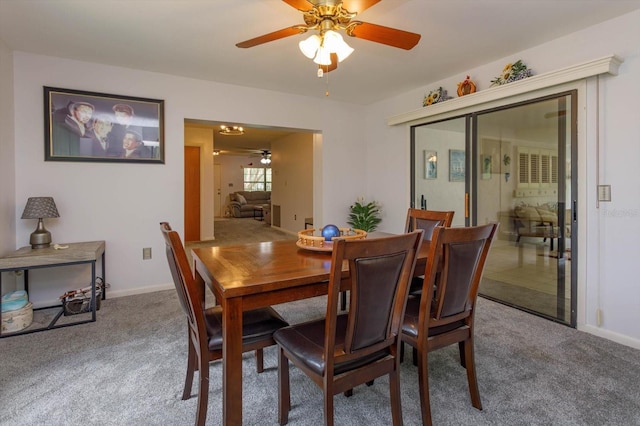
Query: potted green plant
[{"x": 364, "y": 216}]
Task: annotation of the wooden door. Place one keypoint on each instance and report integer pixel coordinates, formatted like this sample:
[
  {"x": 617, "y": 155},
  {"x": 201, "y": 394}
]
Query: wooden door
[{"x": 191, "y": 193}]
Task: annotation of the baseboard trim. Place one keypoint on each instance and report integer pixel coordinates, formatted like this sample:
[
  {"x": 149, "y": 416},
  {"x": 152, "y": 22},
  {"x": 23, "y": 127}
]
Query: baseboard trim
[
  {"x": 611, "y": 335},
  {"x": 140, "y": 290}
]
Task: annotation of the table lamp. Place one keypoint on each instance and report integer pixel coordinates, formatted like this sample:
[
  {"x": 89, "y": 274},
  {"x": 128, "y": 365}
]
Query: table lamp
[{"x": 40, "y": 208}]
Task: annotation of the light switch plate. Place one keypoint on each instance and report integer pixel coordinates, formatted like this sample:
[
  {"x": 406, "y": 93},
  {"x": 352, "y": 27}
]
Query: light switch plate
[
  {"x": 604, "y": 192},
  {"x": 146, "y": 253}
]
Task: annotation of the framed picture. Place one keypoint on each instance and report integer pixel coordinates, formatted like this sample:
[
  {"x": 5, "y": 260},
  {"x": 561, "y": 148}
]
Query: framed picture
[
  {"x": 491, "y": 148},
  {"x": 87, "y": 126},
  {"x": 456, "y": 165},
  {"x": 430, "y": 165},
  {"x": 485, "y": 166}
]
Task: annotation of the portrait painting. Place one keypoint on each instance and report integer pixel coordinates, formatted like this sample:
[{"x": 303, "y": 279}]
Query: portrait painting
[{"x": 88, "y": 126}]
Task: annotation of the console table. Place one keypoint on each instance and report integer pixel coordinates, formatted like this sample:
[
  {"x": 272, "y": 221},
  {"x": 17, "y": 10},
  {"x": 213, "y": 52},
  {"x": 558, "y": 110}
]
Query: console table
[{"x": 27, "y": 258}]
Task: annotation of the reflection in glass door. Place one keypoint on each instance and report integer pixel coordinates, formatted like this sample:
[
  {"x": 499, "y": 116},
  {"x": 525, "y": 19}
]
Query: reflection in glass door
[
  {"x": 524, "y": 182},
  {"x": 439, "y": 167}
]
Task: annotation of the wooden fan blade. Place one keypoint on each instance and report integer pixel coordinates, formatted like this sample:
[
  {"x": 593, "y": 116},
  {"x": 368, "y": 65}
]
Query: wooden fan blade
[
  {"x": 385, "y": 35},
  {"x": 276, "y": 35},
  {"x": 332, "y": 66},
  {"x": 357, "y": 6},
  {"x": 301, "y": 5}
]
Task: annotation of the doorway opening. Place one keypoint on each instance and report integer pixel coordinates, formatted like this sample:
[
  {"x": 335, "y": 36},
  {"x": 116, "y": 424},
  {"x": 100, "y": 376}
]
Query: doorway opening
[{"x": 225, "y": 161}]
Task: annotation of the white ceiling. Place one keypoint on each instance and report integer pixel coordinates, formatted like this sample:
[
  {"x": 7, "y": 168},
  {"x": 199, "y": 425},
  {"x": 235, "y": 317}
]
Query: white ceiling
[{"x": 196, "y": 38}]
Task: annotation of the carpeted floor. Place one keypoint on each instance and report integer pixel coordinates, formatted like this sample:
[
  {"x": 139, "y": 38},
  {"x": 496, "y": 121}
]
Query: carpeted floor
[
  {"x": 242, "y": 230},
  {"x": 128, "y": 369}
]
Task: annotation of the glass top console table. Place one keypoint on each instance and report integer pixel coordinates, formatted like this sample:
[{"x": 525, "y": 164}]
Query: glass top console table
[{"x": 27, "y": 258}]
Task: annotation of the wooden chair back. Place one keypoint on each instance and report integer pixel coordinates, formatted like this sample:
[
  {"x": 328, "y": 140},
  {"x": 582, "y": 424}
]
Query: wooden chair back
[
  {"x": 190, "y": 296},
  {"x": 380, "y": 271},
  {"x": 427, "y": 220}
]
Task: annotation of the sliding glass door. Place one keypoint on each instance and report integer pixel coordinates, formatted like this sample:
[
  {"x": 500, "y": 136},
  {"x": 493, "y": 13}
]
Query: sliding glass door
[{"x": 517, "y": 171}]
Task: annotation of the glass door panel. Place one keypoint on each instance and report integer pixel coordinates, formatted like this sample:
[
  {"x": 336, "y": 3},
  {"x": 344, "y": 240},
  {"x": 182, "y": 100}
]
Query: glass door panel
[
  {"x": 439, "y": 167},
  {"x": 524, "y": 182}
]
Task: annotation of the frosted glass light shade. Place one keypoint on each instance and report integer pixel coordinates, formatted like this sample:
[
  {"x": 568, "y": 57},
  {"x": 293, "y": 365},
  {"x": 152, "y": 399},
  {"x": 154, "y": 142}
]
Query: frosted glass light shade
[
  {"x": 336, "y": 44},
  {"x": 309, "y": 47},
  {"x": 323, "y": 57}
]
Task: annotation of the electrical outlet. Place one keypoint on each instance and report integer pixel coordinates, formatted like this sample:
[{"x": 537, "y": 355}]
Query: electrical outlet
[{"x": 146, "y": 253}]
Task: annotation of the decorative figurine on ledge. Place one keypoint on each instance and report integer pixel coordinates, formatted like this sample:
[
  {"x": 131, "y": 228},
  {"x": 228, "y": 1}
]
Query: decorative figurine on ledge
[
  {"x": 512, "y": 72},
  {"x": 435, "y": 96},
  {"x": 466, "y": 87}
]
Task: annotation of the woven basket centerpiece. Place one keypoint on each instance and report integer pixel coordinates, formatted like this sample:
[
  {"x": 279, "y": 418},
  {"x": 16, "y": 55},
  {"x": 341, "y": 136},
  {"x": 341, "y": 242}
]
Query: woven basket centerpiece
[{"x": 307, "y": 239}]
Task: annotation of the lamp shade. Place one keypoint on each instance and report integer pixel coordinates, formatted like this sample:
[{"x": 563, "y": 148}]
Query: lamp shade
[{"x": 39, "y": 208}]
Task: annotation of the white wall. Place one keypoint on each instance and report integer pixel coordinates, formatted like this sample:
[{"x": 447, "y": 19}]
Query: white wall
[
  {"x": 124, "y": 203},
  {"x": 608, "y": 233},
  {"x": 7, "y": 165},
  {"x": 292, "y": 168}
]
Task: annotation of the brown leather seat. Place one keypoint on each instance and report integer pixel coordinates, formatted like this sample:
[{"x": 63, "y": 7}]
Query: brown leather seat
[
  {"x": 343, "y": 351},
  {"x": 454, "y": 268},
  {"x": 426, "y": 220},
  {"x": 205, "y": 325}
]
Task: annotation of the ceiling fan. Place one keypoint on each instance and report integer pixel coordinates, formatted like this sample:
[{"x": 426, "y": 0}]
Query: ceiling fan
[{"x": 328, "y": 17}]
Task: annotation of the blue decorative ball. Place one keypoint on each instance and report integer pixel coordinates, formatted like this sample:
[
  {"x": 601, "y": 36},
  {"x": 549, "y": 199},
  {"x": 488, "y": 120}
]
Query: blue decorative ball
[{"x": 330, "y": 231}]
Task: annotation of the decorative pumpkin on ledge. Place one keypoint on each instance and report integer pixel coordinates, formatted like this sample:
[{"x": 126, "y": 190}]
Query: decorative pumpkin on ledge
[{"x": 466, "y": 87}]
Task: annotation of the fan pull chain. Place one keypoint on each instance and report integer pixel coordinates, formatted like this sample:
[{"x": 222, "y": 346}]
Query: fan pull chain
[
  {"x": 326, "y": 93},
  {"x": 320, "y": 75}
]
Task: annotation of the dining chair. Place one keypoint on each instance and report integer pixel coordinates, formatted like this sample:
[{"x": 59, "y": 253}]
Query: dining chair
[
  {"x": 344, "y": 350},
  {"x": 427, "y": 220},
  {"x": 205, "y": 324},
  {"x": 444, "y": 316}
]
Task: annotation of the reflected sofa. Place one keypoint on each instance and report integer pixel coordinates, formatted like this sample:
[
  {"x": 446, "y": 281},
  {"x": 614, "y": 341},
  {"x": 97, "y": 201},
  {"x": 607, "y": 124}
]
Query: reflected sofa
[{"x": 539, "y": 222}]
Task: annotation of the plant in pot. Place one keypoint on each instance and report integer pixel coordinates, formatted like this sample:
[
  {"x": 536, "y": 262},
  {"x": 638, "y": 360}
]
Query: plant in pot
[{"x": 364, "y": 216}]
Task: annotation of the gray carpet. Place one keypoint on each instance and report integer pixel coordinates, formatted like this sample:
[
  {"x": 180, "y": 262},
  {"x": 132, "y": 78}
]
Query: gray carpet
[{"x": 128, "y": 369}]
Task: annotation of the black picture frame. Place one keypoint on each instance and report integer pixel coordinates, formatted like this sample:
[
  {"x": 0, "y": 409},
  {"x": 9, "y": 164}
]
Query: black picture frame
[{"x": 90, "y": 126}]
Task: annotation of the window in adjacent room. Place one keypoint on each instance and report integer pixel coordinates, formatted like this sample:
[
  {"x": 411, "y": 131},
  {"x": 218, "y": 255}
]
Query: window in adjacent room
[{"x": 257, "y": 179}]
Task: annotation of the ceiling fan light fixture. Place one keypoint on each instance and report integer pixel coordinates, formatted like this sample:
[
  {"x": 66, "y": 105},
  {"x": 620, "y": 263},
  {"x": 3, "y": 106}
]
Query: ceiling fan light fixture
[
  {"x": 310, "y": 46},
  {"x": 334, "y": 42},
  {"x": 231, "y": 130},
  {"x": 320, "y": 48},
  {"x": 266, "y": 158}
]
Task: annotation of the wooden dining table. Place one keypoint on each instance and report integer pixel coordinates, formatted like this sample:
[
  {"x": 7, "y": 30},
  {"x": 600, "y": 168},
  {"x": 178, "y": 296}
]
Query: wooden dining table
[{"x": 254, "y": 275}]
